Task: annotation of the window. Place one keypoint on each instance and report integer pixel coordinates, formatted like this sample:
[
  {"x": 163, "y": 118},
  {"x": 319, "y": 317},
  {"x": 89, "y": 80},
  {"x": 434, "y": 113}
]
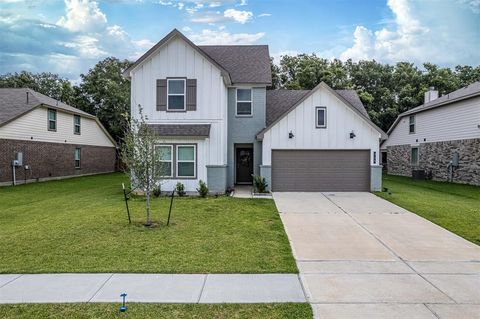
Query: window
[
  {"x": 76, "y": 124},
  {"x": 165, "y": 154},
  {"x": 77, "y": 157},
  {"x": 52, "y": 119},
  {"x": 176, "y": 94},
  {"x": 244, "y": 102},
  {"x": 186, "y": 161},
  {"x": 374, "y": 157},
  {"x": 411, "y": 126},
  {"x": 321, "y": 117},
  {"x": 414, "y": 156}
]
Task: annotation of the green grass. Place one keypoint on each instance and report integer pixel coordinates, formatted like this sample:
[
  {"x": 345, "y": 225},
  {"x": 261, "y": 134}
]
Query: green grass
[
  {"x": 80, "y": 225},
  {"x": 157, "y": 311},
  {"x": 455, "y": 207}
]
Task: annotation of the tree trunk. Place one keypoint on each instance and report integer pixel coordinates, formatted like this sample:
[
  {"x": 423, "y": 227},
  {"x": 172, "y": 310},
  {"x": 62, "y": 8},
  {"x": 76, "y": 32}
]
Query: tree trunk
[{"x": 148, "y": 221}]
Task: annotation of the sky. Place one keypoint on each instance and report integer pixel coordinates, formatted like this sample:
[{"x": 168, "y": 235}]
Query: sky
[{"x": 69, "y": 36}]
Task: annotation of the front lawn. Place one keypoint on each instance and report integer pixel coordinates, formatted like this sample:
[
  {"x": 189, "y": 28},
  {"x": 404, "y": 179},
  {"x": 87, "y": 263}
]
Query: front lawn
[
  {"x": 455, "y": 207},
  {"x": 158, "y": 311},
  {"x": 80, "y": 225}
]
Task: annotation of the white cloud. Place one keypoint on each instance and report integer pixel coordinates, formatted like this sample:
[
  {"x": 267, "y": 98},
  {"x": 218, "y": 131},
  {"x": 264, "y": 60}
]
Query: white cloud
[
  {"x": 83, "y": 15},
  {"x": 473, "y": 4},
  {"x": 419, "y": 33},
  {"x": 186, "y": 29},
  {"x": 237, "y": 15},
  {"x": 264, "y": 15},
  {"x": 208, "y": 36},
  {"x": 243, "y": 3}
]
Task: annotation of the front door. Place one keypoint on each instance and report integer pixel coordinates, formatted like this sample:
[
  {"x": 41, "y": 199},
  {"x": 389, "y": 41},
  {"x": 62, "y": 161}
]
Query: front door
[{"x": 244, "y": 163}]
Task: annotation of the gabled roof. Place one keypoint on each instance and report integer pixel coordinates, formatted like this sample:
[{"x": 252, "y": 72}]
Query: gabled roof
[
  {"x": 467, "y": 92},
  {"x": 238, "y": 63},
  {"x": 177, "y": 130},
  {"x": 281, "y": 102},
  {"x": 245, "y": 63},
  {"x": 14, "y": 104}
]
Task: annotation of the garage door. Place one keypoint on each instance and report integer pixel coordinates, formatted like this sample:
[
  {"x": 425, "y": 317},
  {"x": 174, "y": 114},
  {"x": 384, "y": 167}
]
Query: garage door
[{"x": 320, "y": 171}]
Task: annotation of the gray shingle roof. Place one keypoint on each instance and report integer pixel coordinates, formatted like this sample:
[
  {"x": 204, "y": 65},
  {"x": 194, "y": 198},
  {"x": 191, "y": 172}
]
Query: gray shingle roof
[
  {"x": 244, "y": 63},
  {"x": 13, "y": 103},
  {"x": 280, "y": 101},
  {"x": 197, "y": 130},
  {"x": 462, "y": 93},
  {"x": 455, "y": 96}
]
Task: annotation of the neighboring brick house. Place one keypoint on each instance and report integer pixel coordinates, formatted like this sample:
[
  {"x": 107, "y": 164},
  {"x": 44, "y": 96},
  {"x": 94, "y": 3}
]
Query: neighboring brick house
[
  {"x": 440, "y": 139},
  {"x": 217, "y": 122},
  {"x": 50, "y": 138}
]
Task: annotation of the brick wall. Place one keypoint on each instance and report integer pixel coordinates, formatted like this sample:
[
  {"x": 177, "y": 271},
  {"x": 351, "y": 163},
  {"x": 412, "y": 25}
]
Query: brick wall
[
  {"x": 53, "y": 159},
  {"x": 434, "y": 157}
]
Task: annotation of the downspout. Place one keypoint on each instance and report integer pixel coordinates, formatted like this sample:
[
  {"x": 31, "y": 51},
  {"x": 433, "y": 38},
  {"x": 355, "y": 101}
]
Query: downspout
[{"x": 13, "y": 174}]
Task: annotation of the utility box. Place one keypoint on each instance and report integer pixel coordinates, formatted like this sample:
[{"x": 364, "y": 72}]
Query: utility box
[
  {"x": 455, "y": 159},
  {"x": 18, "y": 159}
]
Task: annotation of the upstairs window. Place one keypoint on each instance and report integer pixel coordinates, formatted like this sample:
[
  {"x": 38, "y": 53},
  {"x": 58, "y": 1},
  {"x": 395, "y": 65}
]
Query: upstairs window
[
  {"x": 52, "y": 119},
  {"x": 414, "y": 156},
  {"x": 244, "y": 102},
  {"x": 76, "y": 124},
  {"x": 321, "y": 117},
  {"x": 411, "y": 125},
  {"x": 176, "y": 95},
  {"x": 77, "y": 157}
]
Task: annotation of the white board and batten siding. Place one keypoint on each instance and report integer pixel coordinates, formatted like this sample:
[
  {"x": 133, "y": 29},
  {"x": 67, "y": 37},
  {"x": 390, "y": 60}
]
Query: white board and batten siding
[
  {"x": 341, "y": 120},
  {"x": 34, "y": 124},
  {"x": 456, "y": 121},
  {"x": 176, "y": 58}
]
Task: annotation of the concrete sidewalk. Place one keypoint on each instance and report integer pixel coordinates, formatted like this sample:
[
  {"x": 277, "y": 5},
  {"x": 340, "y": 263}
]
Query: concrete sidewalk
[{"x": 158, "y": 288}]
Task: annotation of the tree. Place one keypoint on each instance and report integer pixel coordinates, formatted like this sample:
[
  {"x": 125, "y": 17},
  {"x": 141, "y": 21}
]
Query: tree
[
  {"x": 105, "y": 93},
  {"x": 141, "y": 159},
  {"x": 47, "y": 83}
]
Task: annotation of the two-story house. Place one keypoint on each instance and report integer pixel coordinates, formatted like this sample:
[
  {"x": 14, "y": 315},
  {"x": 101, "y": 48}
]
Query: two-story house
[
  {"x": 42, "y": 138},
  {"x": 440, "y": 139},
  {"x": 217, "y": 122}
]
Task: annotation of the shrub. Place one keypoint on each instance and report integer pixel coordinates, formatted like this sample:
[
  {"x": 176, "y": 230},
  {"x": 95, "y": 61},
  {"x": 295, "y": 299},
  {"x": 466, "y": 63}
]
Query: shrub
[
  {"x": 260, "y": 184},
  {"x": 157, "y": 191},
  {"x": 202, "y": 189},
  {"x": 180, "y": 189}
]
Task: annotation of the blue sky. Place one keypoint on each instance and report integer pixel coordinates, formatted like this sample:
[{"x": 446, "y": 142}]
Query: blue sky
[{"x": 68, "y": 37}]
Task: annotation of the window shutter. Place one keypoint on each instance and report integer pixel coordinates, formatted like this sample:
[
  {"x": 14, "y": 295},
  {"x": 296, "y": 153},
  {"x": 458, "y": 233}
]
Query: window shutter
[
  {"x": 161, "y": 94},
  {"x": 191, "y": 94}
]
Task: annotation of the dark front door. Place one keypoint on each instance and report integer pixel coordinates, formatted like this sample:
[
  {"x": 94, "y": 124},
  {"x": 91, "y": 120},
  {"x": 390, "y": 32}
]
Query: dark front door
[{"x": 244, "y": 162}]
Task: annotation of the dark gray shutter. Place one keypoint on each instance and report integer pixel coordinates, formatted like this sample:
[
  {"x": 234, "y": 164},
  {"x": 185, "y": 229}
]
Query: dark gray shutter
[
  {"x": 191, "y": 94},
  {"x": 161, "y": 94}
]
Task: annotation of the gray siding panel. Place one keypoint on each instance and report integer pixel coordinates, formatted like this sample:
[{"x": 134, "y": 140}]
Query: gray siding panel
[
  {"x": 161, "y": 94},
  {"x": 320, "y": 170}
]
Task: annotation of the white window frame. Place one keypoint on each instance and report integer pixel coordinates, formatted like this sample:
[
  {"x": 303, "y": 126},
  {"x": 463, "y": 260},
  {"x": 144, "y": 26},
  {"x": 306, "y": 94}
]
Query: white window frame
[
  {"x": 79, "y": 157},
  {"x": 324, "y": 108},
  {"x": 49, "y": 120},
  {"x": 410, "y": 124},
  {"x": 171, "y": 158},
  {"x": 172, "y": 94},
  {"x": 183, "y": 161},
  {"x": 79, "y": 124},
  {"x": 243, "y": 101}
]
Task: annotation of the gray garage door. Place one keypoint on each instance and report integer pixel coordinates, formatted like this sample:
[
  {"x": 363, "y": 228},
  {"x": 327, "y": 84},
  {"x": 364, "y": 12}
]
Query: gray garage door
[{"x": 320, "y": 171}]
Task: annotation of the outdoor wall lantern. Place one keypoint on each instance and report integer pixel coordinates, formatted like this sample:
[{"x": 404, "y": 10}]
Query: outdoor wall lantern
[
  {"x": 352, "y": 134},
  {"x": 290, "y": 135}
]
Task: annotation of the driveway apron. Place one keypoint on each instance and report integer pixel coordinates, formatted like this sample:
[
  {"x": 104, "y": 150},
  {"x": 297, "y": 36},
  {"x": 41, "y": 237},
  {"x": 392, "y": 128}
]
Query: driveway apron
[{"x": 363, "y": 257}]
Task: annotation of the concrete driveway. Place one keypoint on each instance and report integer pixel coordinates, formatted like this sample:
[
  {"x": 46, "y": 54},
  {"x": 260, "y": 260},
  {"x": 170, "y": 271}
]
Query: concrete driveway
[{"x": 363, "y": 257}]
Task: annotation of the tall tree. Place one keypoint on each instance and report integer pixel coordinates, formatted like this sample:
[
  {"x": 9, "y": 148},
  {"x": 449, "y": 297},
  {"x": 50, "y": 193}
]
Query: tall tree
[
  {"x": 46, "y": 83},
  {"x": 105, "y": 93}
]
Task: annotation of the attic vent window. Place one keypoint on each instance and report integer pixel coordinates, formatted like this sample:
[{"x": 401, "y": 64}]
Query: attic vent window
[
  {"x": 321, "y": 117},
  {"x": 176, "y": 94}
]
